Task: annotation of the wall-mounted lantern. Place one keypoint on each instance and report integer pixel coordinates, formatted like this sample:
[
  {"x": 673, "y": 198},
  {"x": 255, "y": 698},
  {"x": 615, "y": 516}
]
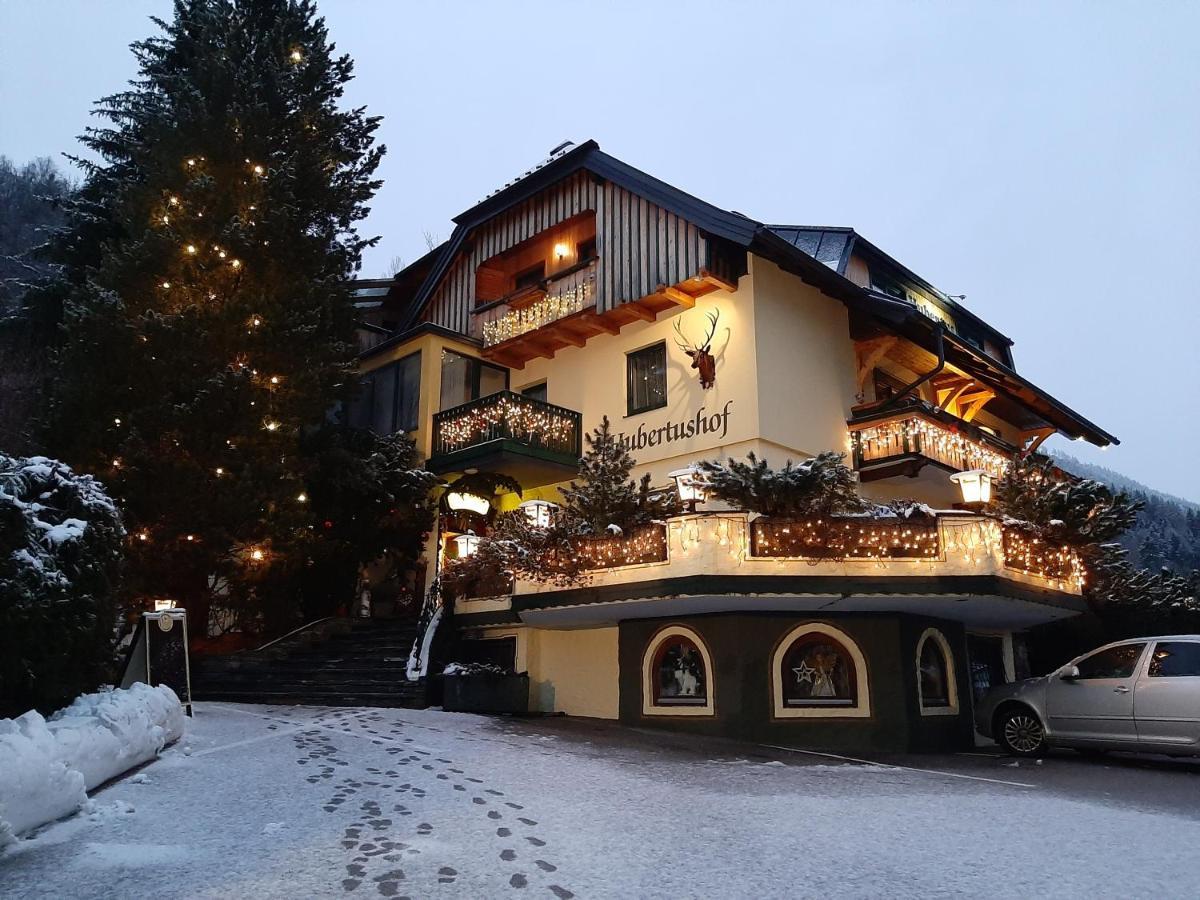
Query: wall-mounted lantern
[
  {"x": 690, "y": 485},
  {"x": 976, "y": 487},
  {"x": 466, "y": 544}
]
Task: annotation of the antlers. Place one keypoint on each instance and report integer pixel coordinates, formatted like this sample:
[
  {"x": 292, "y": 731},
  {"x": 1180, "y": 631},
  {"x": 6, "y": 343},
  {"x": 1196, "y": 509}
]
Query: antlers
[{"x": 691, "y": 349}]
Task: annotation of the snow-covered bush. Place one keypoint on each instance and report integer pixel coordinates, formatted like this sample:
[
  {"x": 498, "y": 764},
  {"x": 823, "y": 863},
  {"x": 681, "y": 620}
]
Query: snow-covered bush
[
  {"x": 822, "y": 485},
  {"x": 47, "y": 766},
  {"x": 60, "y": 554}
]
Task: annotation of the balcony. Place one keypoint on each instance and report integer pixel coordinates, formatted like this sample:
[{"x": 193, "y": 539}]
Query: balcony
[
  {"x": 902, "y": 441},
  {"x": 957, "y": 566},
  {"x": 536, "y": 443}
]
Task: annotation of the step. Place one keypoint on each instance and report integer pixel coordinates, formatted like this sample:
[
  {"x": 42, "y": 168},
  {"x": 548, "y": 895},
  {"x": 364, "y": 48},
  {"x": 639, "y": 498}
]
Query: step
[{"x": 310, "y": 698}]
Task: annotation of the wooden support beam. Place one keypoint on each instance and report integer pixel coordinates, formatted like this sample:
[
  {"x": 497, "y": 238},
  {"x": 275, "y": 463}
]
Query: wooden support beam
[
  {"x": 687, "y": 301},
  {"x": 638, "y": 312},
  {"x": 869, "y": 355},
  {"x": 600, "y": 323},
  {"x": 974, "y": 403},
  {"x": 717, "y": 281},
  {"x": 562, "y": 333},
  {"x": 1038, "y": 435}
]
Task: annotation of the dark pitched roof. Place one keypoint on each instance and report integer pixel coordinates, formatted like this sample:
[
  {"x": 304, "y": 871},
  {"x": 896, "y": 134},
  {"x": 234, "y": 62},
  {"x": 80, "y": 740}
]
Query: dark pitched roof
[
  {"x": 830, "y": 246},
  {"x": 806, "y": 251}
]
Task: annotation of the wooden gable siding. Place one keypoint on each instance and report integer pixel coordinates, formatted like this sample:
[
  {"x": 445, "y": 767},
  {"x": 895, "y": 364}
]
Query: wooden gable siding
[
  {"x": 640, "y": 245},
  {"x": 451, "y": 303}
]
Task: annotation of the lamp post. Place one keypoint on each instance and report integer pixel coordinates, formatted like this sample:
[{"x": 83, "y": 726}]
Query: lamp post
[
  {"x": 466, "y": 544},
  {"x": 976, "y": 487},
  {"x": 539, "y": 512},
  {"x": 690, "y": 486}
]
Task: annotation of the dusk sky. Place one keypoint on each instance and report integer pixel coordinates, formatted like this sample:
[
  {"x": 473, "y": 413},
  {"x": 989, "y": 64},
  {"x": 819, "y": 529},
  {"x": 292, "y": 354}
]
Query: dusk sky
[{"x": 1043, "y": 159}]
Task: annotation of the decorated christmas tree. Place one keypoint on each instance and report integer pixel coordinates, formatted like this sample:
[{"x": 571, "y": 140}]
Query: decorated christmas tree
[{"x": 204, "y": 299}]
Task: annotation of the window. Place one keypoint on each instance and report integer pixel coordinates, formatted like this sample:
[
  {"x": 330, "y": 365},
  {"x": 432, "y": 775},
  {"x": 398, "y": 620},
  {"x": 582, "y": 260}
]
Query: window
[
  {"x": 677, "y": 674},
  {"x": 1175, "y": 659},
  {"x": 389, "y": 397},
  {"x": 936, "y": 687},
  {"x": 1115, "y": 662},
  {"x": 535, "y": 392},
  {"x": 465, "y": 378},
  {"x": 646, "y": 379},
  {"x": 530, "y": 277},
  {"x": 818, "y": 671},
  {"x": 585, "y": 250}
]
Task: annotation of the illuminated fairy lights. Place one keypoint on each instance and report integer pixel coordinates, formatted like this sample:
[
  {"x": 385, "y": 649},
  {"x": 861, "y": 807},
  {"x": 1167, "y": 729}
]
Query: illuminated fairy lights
[
  {"x": 1033, "y": 555},
  {"x": 642, "y": 545},
  {"x": 506, "y": 415},
  {"x": 818, "y": 539},
  {"x": 525, "y": 319},
  {"x": 898, "y": 437},
  {"x": 979, "y": 543}
]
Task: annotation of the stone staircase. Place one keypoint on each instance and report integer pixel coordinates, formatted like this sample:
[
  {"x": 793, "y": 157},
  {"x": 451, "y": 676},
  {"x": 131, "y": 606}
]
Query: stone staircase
[{"x": 340, "y": 662}]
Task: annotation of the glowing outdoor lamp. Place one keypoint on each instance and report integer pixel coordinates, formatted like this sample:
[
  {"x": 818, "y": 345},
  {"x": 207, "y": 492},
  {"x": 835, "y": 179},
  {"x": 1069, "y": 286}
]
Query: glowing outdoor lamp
[
  {"x": 460, "y": 500},
  {"x": 690, "y": 486},
  {"x": 539, "y": 512},
  {"x": 467, "y": 544},
  {"x": 976, "y": 486}
]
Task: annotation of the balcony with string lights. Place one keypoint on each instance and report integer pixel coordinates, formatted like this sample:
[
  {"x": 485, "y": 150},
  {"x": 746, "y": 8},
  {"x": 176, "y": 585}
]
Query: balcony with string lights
[
  {"x": 957, "y": 565},
  {"x": 535, "y": 442}
]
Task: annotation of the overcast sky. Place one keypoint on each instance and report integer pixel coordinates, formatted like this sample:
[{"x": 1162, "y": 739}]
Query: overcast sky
[{"x": 1043, "y": 159}]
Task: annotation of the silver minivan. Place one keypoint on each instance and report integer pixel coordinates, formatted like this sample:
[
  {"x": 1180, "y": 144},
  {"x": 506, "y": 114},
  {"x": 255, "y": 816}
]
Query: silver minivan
[{"x": 1140, "y": 695}]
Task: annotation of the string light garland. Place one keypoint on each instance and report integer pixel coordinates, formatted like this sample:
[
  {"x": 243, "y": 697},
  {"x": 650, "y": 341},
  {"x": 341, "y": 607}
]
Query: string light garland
[
  {"x": 525, "y": 319},
  {"x": 508, "y": 415},
  {"x": 852, "y": 538},
  {"x": 899, "y": 437},
  {"x": 1033, "y": 555},
  {"x": 642, "y": 545}
]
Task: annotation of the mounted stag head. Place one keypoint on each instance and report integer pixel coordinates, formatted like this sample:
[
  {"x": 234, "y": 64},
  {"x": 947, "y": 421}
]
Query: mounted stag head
[{"x": 702, "y": 359}]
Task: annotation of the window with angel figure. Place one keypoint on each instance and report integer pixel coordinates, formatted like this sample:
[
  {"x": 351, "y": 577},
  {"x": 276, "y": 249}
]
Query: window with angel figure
[
  {"x": 817, "y": 671},
  {"x": 679, "y": 675},
  {"x": 934, "y": 672}
]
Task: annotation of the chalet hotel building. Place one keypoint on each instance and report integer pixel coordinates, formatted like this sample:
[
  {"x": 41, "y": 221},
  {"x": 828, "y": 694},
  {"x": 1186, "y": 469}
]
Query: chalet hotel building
[{"x": 571, "y": 294}]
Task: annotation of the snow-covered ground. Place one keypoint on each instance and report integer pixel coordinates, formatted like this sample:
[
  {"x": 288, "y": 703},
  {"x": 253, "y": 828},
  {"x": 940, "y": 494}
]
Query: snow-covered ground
[{"x": 301, "y": 802}]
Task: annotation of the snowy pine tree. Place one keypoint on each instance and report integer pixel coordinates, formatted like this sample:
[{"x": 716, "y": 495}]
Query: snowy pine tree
[
  {"x": 204, "y": 295},
  {"x": 820, "y": 486},
  {"x": 605, "y": 496},
  {"x": 60, "y": 556}
]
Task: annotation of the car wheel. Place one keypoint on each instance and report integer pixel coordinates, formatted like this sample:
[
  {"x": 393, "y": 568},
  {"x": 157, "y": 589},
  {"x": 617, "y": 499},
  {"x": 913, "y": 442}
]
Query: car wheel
[{"x": 1020, "y": 732}]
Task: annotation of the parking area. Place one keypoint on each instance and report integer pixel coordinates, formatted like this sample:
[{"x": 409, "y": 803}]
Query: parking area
[{"x": 263, "y": 801}]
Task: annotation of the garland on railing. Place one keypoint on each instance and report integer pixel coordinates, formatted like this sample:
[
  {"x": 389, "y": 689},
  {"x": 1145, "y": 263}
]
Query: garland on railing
[
  {"x": 1031, "y": 554},
  {"x": 642, "y": 545},
  {"x": 931, "y": 439},
  {"x": 512, "y": 417},
  {"x": 853, "y": 538},
  {"x": 551, "y": 308}
]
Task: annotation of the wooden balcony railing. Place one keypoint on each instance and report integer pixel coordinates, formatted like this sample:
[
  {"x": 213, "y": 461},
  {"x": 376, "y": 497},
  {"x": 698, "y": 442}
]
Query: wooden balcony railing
[
  {"x": 919, "y": 432},
  {"x": 507, "y": 416},
  {"x": 558, "y": 297}
]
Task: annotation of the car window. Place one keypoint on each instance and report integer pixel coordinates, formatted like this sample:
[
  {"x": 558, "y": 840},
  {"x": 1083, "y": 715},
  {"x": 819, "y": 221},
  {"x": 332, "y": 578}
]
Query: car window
[
  {"x": 1115, "y": 662},
  {"x": 1175, "y": 659}
]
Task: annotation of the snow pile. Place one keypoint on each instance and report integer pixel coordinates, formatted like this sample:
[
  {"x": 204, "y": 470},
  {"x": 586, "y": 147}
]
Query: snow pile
[
  {"x": 36, "y": 786},
  {"x": 46, "y": 767}
]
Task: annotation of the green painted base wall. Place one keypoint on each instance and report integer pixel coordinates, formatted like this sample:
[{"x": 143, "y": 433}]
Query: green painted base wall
[{"x": 741, "y": 646}]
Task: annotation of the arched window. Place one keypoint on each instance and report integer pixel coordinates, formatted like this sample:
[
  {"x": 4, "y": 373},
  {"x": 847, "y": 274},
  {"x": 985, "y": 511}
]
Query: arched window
[
  {"x": 677, "y": 674},
  {"x": 818, "y": 671},
  {"x": 936, "y": 687}
]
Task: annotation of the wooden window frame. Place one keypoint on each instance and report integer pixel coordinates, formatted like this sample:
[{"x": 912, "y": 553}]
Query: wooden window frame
[{"x": 630, "y": 410}]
